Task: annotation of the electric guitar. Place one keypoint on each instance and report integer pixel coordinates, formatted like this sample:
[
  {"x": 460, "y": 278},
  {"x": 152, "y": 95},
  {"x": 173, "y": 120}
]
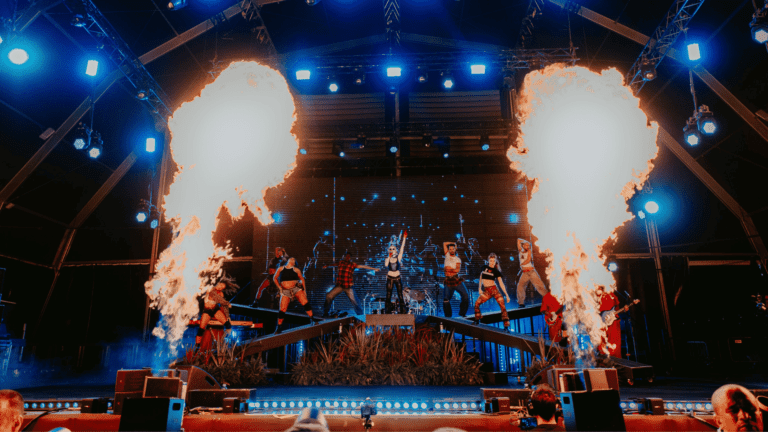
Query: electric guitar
[
  {"x": 610, "y": 316},
  {"x": 553, "y": 319}
]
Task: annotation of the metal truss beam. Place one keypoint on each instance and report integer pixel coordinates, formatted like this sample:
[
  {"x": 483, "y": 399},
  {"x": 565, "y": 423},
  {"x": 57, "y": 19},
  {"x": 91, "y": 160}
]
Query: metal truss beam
[
  {"x": 392, "y": 23},
  {"x": 665, "y": 35},
  {"x": 252, "y": 13},
  {"x": 526, "y": 27},
  {"x": 496, "y": 335},
  {"x": 32, "y": 13},
  {"x": 748, "y": 116}
]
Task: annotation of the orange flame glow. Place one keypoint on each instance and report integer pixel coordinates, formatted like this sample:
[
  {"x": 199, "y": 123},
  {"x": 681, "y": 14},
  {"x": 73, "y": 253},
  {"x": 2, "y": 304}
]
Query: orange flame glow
[
  {"x": 589, "y": 146},
  {"x": 231, "y": 144}
]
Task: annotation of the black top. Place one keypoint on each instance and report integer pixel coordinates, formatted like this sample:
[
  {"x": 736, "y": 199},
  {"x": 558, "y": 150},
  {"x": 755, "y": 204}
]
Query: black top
[
  {"x": 276, "y": 262},
  {"x": 288, "y": 274},
  {"x": 490, "y": 273}
]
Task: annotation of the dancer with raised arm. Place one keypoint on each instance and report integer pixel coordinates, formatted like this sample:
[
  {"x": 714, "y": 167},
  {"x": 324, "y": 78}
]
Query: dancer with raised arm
[
  {"x": 392, "y": 264},
  {"x": 453, "y": 282},
  {"x": 488, "y": 288},
  {"x": 344, "y": 282},
  {"x": 528, "y": 273},
  {"x": 292, "y": 285}
]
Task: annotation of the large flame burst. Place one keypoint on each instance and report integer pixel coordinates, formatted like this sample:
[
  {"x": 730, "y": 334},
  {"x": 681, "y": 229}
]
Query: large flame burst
[
  {"x": 589, "y": 146},
  {"x": 231, "y": 144}
]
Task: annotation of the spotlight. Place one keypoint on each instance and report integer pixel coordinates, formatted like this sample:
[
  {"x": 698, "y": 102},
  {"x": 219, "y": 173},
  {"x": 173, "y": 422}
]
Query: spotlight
[
  {"x": 358, "y": 76},
  {"x": 177, "y": 4},
  {"x": 485, "y": 142},
  {"x": 313, "y": 2},
  {"x": 142, "y": 94},
  {"x": 647, "y": 70},
  {"x": 303, "y": 74},
  {"x": 651, "y": 207},
  {"x": 337, "y": 150},
  {"x": 392, "y": 146},
  {"x": 154, "y": 218},
  {"x": 143, "y": 213},
  {"x": 691, "y": 133},
  {"x": 92, "y": 67},
  {"x": 423, "y": 74},
  {"x": 694, "y": 53},
  {"x": 150, "y": 145},
  {"x": 705, "y": 121},
  {"x": 445, "y": 155},
  {"x": 394, "y": 71},
  {"x": 79, "y": 21},
  {"x": 477, "y": 69},
  {"x": 18, "y": 56},
  {"x": 82, "y": 137},
  {"x": 303, "y": 151},
  {"x": 759, "y": 26},
  {"x": 426, "y": 140},
  {"x": 447, "y": 80},
  {"x": 612, "y": 266},
  {"x": 97, "y": 146},
  {"x": 333, "y": 87}
]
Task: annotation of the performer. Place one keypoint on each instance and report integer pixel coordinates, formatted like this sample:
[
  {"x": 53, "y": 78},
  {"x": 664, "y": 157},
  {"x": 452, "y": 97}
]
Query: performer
[
  {"x": 453, "y": 282},
  {"x": 267, "y": 291},
  {"x": 344, "y": 282},
  {"x": 393, "y": 263},
  {"x": 553, "y": 315},
  {"x": 610, "y": 302},
  {"x": 291, "y": 283},
  {"x": 215, "y": 306},
  {"x": 487, "y": 288},
  {"x": 527, "y": 272}
]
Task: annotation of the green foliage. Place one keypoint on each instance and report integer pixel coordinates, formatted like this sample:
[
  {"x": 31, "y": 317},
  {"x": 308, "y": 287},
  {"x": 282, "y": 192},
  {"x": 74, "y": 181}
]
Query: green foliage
[
  {"x": 228, "y": 368},
  {"x": 392, "y": 357}
]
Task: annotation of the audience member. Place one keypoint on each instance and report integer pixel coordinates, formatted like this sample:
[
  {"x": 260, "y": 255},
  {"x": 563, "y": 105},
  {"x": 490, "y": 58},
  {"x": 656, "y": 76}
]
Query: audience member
[
  {"x": 11, "y": 410},
  {"x": 310, "y": 420},
  {"x": 737, "y": 409},
  {"x": 544, "y": 403}
]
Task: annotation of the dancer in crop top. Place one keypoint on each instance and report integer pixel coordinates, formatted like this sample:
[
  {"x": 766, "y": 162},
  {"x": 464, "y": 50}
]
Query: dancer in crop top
[
  {"x": 392, "y": 264},
  {"x": 488, "y": 288},
  {"x": 291, "y": 283}
]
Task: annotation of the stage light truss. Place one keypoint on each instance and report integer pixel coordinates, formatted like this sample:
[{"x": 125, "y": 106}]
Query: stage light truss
[
  {"x": 438, "y": 62},
  {"x": 252, "y": 14},
  {"x": 526, "y": 28},
  {"x": 665, "y": 35},
  {"x": 410, "y": 130},
  {"x": 110, "y": 42}
]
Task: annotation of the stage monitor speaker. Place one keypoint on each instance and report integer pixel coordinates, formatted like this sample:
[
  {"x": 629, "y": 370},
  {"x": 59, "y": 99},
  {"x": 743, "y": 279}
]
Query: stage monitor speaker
[
  {"x": 592, "y": 411},
  {"x": 234, "y": 405},
  {"x": 198, "y": 379},
  {"x": 215, "y": 398},
  {"x": 553, "y": 376},
  {"x": 153, "y": 414},
  {"x": 120, "y": 397},
  {"x": 131, "y": 380},
  {"x": 599, "y": 379},
  {"x": 653, "y": 406},
  {"x": 94, "y": 406},
  {"x": 517, "y": 397},
  {"x": 497, "y": 405},
  {"x": 163, "y": 387}
]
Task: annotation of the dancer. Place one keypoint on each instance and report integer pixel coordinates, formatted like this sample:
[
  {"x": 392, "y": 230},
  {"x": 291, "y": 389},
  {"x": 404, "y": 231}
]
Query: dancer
[
  {"x": 292, "y": 284},
  {"x": 215, "y": 306},
  {"x": 553, "y": 315},
  {"x": 487, "y": 288},
  {"x": 393, "y": 263},
  {"x": 453, "y": 283},
  {"x": 267, "y": 291},
  {"x": 344, "y": 282},
  {"x": 527, "y": 272}
]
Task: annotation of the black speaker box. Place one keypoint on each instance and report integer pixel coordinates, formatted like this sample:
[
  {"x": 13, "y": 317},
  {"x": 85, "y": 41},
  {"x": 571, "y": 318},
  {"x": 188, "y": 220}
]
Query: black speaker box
[
  {"x": 153, "y": 414},
  {"x": 234, "y": 405},
  {"x": 517, "y": 397},
  {"x": 653, "y": 406},
  {"x": 162, "y": 387},
  {"x": 592, "y": 411},
  {"x": 198, "y": 379},
  {"x": 215, "y": 398},
  {"x": 120, "y": 397},
  {"x": 130, "y": 380},
  {"x": 94, "y": 406}
]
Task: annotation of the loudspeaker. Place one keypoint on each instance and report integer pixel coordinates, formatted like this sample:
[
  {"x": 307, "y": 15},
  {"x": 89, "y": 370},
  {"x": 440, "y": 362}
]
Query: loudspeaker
[
  {"x": 599, "y": 379},
  {"x": 215, "y": 398},
  {"x": 131, "y": 380},
  {"x": 497, "y": 405},
  {"x": 653, "y": 406},
  {"x": 553, "y": 376},
  {"x": 233, "y": 405},
  {"x": 517, "y": 397},
  {"x": 153, "y": 414},
  {"x": 162, "y": 387},
  {"x": 198, "y": 379},
  {"x": 594, "y": 411},
  {"x": 94, "y": 406},
  {"x": 120, "y": 397}
]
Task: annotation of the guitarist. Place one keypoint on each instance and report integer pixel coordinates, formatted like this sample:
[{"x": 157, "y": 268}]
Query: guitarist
[
  {"x": 610, "y": 302},
  {"x": 553, "y": 315}
]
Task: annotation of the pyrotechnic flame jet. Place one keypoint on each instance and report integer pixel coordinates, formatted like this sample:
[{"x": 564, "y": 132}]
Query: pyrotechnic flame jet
[
  {"x": 231, "y": 144},
  {"x": 589, "y": 147}
]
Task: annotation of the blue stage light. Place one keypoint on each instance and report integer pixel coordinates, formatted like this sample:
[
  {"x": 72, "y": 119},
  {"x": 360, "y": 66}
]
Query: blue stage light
[
  {"x": 342, "y": 198},
  {"x": 455, "y": 405},
  {"x": 514, "y": 218},
  {"x": 612, "y": 266},
  {"x": 75, "y": 405},
  {"x": 458, "y": 235},
  {"x": 379, "y": 405},
  {"x": 141, "y": 216},
  {"x": 688, "y": 406},
  {"x": 317, "y": 404},
  {"x": 422, "y": 201},
  {"x": 464, "y": 405},
  {"x": 335, "y": 404},
  {"x": 445, "y": 155},
  {"x": 274, "y": 404},
  {"x": 353, "y": 404},
  {"x": 397, "y": 404},
  {"x": 150, "y": 145},
  {"x": 651, "y": 207},
  {"x": 344, "y": 404},
  {"x": 303, "y": 74},
  {"x": 473, "y": 405},
  {"x": 393, "y": 149},
  {"x": 66, "y": 404},
  {"x": 423, "y": 405},
  {"x": 477, "y": 69},
  {"x": 445, "y": 198},
  {"x": 18, "y": 56},
  {"x": 448, "y": 83},
  {"x": 303, "y": 151},
  {"x": 34, "y": 405},
  {"x": 257, "y": 404},
  {"x": 327, "y": 233},
  {"x": 691, "y": 134},
  {"x": 632, "y": 405},
  {"x": 437, "y": 406},
  {"x": 623, "y": 405},
  {"x": 694, "y": 53},
  {"x": 394, "y": 71},
  {"x": 406, "y": 405},
  {"x": 759, "y": 31},
  {"x": 485, "y": 147},
  {"x": 333, "y": 87},
  {"x": 705, "y": 121},
  {"x": 641, "y": 214},
  {"x": 176, "y": 4},
  {"x": 388, "y": 405},
  {"x": 92, "y": 68},
  {"x": 708, "y": 406},
  {"x": 679, "y": 406}
]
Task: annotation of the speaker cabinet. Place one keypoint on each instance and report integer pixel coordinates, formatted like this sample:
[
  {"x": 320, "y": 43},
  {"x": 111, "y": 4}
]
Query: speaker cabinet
[
  {"x": 153, "y": 414},
  {"x": 593, "y": 411},
  {"x": 120, "y": 397},
  {"x": 517, "y": 397},
  {"x": 215, "y": 398},
  {"x": 131, "y": 380},
  {"x": 162, "y": 387},
  {"x": 198, "y": 379},
  {"x": 94, "y": 406}
]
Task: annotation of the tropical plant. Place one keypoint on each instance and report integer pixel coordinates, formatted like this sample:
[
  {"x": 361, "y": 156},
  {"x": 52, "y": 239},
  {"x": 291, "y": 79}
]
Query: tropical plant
[{"x": 227, "y": 367}]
